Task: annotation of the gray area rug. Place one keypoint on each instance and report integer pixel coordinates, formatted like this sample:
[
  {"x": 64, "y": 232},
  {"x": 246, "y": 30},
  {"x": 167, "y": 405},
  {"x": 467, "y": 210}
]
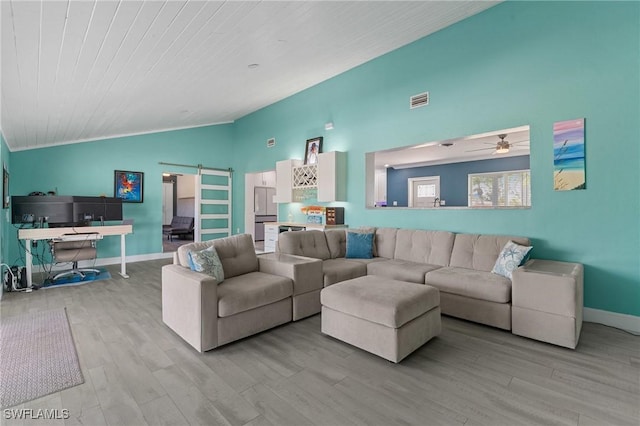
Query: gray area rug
[{"x": 37, "y": 357}]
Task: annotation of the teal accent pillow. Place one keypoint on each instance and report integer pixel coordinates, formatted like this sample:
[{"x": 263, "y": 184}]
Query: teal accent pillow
[
  {"x": 359, "y": 245},
  {"x": 511, "y": 256},
  {"x": 208, "y": 262}
]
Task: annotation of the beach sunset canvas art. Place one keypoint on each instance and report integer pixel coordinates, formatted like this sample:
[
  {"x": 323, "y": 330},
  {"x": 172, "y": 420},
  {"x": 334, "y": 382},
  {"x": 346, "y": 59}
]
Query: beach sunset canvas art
[{"x": 568, "y": 155}]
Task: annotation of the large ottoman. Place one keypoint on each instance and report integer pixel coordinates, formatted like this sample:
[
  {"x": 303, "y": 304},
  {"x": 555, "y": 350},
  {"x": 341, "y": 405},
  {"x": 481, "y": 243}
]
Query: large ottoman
[{"x": 385, "y": 317}]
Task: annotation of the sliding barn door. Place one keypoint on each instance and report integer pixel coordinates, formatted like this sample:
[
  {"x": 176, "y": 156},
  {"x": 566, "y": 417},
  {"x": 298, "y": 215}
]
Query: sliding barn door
[{"x": 213, "y": 201}]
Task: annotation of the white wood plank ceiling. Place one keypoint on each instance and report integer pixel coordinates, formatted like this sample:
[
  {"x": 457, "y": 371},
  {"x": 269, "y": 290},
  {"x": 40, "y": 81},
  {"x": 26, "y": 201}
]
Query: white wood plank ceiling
[{"x": 78, "y": 70}]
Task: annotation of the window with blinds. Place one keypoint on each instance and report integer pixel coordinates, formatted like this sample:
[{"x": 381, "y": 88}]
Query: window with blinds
[{"x": 500, "y": 189}]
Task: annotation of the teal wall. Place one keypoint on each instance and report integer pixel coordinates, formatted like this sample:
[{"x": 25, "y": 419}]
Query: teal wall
[
  {"x": 87, "y": 169},
  {"x": 515, "y": 64}
]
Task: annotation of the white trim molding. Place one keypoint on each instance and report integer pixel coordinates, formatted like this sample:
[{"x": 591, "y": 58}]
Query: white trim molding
[{"x": 630, "y": 323}]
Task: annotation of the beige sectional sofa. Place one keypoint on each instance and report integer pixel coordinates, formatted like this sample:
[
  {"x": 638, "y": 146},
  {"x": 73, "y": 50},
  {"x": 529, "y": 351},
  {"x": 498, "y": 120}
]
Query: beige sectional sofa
[{"x": 458, "y": 265}]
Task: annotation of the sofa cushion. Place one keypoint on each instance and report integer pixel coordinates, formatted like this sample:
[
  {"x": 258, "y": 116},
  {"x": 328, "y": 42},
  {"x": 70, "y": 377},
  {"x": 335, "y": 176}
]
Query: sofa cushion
[
  {"x": 511, "y": 256},
  {"x": 207, "y": 261},
  {"x": 237, "y": 254},
  {"x": 359, "y": 245},
  {"x": 380, "y": 300},
  {"x": 304, "y": 243},
  {"x": 471, "y": 283},
  {"x": 336, "y": 270},
  {"x": 385, "y": 242},
  {"x": 401, "y": 270},
  {"x": 480, "y": 251},
  {"x": 250, "y": 291},
  {"x": 422, "y": 246},
  {"x": 337, "y": 242}
]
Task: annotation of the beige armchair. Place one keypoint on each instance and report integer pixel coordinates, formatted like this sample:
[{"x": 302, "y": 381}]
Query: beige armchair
[{"x": 208, "y": 314}]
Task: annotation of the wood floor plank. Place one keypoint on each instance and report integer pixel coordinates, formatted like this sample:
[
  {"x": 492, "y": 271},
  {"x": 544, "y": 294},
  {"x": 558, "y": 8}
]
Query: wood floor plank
[
  {"x": 190, "y": 400},
  {"x": 81, "y": 398},
  {"x": 308, "y": 404},
  {"x": 162, "y": 412},
  {"x": 274, "y": 408},
  {"x": 557, "y": 394},
  {"x": 229, "y": 371},
  {"x": 235, "y": 409},
  {"x": 118, "y": 406},
  {"x": 88, "y": 417},
  {"x": 142, "y": 385},
  {"x": 211, "y": 385}
]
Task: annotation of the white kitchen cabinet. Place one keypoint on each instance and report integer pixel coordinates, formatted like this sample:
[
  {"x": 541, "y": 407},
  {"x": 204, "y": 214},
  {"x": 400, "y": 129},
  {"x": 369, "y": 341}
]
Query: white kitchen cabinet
[
  {"x": 329, "y": 177},
  {"x": 265, "y": 179},
  {"x": 332, "y": 176},
  {"x": 284, "y": 180}
]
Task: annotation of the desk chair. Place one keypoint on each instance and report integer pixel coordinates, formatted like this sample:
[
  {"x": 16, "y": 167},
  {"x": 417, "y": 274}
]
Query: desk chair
[{"x": 73, "y": 251}]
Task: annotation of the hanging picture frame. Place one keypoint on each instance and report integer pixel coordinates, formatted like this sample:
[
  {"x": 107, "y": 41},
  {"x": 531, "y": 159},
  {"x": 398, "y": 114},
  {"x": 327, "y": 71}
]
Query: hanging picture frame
[
  {"x": 128, "y": 186},
  {"x": 312, "y": 149},
  {"x": 569, "y": 155}
]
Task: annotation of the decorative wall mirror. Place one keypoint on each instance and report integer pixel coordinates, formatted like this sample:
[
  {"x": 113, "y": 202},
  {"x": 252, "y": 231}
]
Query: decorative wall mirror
[{"x": 488, "y": 170}]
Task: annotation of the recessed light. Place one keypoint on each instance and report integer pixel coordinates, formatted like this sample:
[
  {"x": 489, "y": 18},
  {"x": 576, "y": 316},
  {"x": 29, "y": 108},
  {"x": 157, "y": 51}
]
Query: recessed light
[
  {"x": 386, "y": 166},
  {"x": 253, "y": 66}
]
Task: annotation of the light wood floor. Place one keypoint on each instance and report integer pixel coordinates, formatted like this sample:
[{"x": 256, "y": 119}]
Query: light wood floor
[{"x": 139, "y": 372}]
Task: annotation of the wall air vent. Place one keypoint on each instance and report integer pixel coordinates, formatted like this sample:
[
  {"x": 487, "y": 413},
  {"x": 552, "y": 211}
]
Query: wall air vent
[
  {"x": 271, "y": 142},
  {"x": 419, "y": 100}
]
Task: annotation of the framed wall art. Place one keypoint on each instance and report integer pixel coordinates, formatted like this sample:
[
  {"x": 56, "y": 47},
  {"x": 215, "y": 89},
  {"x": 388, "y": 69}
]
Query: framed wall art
[
  {"x": 128, "y": 186},
  {"x": 568, "y": 155},
  {"x": 312, "y": 149}
]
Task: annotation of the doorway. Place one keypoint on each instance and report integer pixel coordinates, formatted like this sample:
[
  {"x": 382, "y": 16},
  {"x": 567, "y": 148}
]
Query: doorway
[
  {"x": 424, "y": 191},
  {"x": 178, "y": 200},
  {"x": 260, "y": 188}
]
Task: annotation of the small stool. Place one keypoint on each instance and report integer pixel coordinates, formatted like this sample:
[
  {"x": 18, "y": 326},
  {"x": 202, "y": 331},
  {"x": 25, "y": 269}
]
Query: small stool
[
  {"x": 388, "y": 318},
  {"x": 546, "y": 301}
]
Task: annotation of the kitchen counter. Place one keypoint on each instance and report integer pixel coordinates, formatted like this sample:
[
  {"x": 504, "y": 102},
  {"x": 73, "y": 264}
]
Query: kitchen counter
[
  {"x": 306, "y": 225},
  {"x": 272, "y": 229}
]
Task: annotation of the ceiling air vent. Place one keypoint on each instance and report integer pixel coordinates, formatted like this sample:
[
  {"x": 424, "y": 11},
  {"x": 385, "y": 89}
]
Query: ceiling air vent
[
  {"x": 271, "y": 142},
  {"x": 419, "y": 100}
]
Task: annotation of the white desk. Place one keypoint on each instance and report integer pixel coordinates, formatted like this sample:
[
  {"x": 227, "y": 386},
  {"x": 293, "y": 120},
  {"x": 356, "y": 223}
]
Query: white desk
[{"x": 34, "y": 234}]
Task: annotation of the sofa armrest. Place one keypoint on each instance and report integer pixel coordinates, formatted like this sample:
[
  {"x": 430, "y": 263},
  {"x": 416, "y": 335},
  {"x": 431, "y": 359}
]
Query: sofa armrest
[
  {"x": 306, "y": 272},
  {"x": 190, "y": 306},
  {"x": 549, "y": 286}
]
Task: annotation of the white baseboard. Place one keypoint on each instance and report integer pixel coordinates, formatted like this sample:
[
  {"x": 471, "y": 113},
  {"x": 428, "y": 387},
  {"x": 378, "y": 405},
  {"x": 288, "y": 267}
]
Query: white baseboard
[{"x": 630, "y": 323}]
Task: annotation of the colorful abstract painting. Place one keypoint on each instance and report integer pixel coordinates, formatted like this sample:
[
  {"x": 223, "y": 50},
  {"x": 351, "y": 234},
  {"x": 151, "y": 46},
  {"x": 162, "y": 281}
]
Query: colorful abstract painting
[
  {"x": 568, "y": 155},
  {"x": 128, "y": 186}
]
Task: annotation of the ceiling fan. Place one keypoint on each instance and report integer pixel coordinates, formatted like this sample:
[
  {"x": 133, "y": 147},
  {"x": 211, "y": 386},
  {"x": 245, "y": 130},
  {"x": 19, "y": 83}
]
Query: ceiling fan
[{"x": 501, "y": 147}]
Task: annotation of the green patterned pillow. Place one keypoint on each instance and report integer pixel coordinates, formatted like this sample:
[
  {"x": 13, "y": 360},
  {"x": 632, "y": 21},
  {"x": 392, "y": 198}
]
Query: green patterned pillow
[
  {"x": 510, "y": 258},
  {"x": 208, "y": 262}
]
